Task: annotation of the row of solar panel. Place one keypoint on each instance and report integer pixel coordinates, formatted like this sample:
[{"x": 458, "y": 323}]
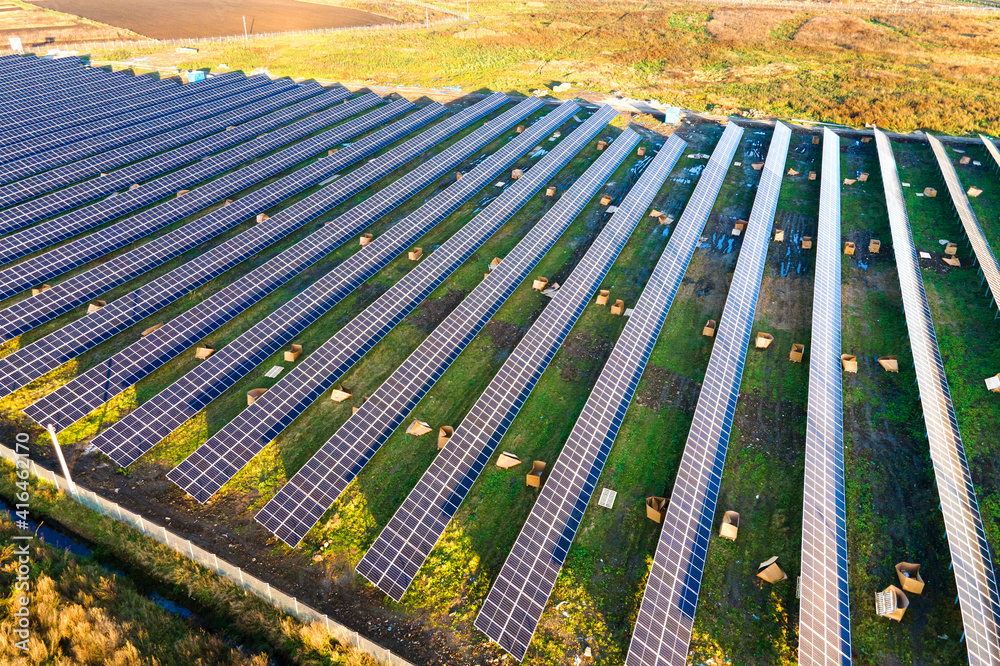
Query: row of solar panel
[{"x": 301, "y": 506}]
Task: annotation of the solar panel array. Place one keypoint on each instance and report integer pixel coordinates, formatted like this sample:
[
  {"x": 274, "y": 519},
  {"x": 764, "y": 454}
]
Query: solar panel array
[
  {"x": 34, "y": 360},
  {"x": 517, "y": 598},
  {"x": 980, "y": 245},
  {"x": 824, "y": 607},
  {"x": 36, "y": 155},
  {"x": 226, "y": 452},
  {"x": 394, "y": 559},
  {"x": 99, "y": 384},
  {"x": 328, "y": 473},
  {"x": 166, "y": 152},
  {"x": 970, "y": 552},
  {"x": 21, "y": 118},
  {"x": 663, "y": 627},
  {"x": 40, "y": 268},
  {"x": 111, "y": 94},
  {"x": 148, "y": 424}
]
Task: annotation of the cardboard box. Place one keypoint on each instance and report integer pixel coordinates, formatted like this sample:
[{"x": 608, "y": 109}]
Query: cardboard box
[
  {"x": 757, "y": 166},
  {"x": 444, "y": 434},
  {"x": 151, "y": 329},
  {"x": 863, "y": 178},
  {"x": 203, "y": 352},
  {"x": 418, "y": 428},
  {"x": 993, "y": 383},
  {"x": 849, "y": 362},
  {"x": 496, "y": 262},
  {"x": 951, "y": 248},
  {"x": 602, "y": 297},
  {"x": 605, "y": 200},
  {"x": 331, "y": 151},
  {"x": 730, "y": 525},
  {"x": 181, "y": 193},
  {"x": 253, "y": 394},
  {"x": 365, "y": 239},
  {"x": 534, "y": 477},
  {"x": 539, "y": 283},
  {"x": 520, "y": 128},
  {"x": 709, "y": 330},
  {"x": 656, "y": 508},
  {"x": 44, "y": 287},
  {"x": 930, "y": 192},
  {"x": 618, "y": 308},
  {"x": 655, "y": 213},
  {"x": 779, "y": 235},
  {"x": 507, "y": 460},
  {"x": 798, "y": 350},
  {"x": 874, "y": 245},
  {"x": 815, "y": 140},
  {"x": 792, "y": 172},
  {"x": 909, "y": 577},
  {"x": 415, "y": 253},
  {"x": 866, "y": 139},
  {"x": 641, "y": 151},
  {"x": 764, "y": 340},
  {"x": 891, "y": 603},
  {"x": 952, "y": 261},
  {"x": 807, "y": 242},
  {"x": 965, "y": 160},
  {"x": 890, "y": 363},
  {"x": 974, "y": 192},
  {"x": 736, "y": 231},
  {"x": 550, "y": 191},
  {"x": 601, "y": 145},
  {"x": 849, "y": 181},
  {"x": 770, "y": 571},
  {"x": 849, "y": 248},
  {"x": 741, "y": 225},
  {"x": 515, "y": 174},
  {"x": 95, "y": 306},
  {"x": 340, "y": 394},
  {"x": 263, "y": 217},
  {"x": 292, "y": 354},
  {"x": 458, "y": 176},
  {"x": 812, "y": 175}
]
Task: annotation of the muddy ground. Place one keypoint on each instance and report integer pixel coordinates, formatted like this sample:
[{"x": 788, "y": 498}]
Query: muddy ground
[{"x": 209, "y": 18}]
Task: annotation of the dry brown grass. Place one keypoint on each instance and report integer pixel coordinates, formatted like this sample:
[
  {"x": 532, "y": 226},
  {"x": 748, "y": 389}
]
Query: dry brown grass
[
  {"x": 731, "y": 25},
  {"x": 848, "y": 33}
]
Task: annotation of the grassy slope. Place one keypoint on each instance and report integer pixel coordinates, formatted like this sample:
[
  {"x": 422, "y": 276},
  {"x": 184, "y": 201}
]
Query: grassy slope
[{"x": 901, "y": 72}]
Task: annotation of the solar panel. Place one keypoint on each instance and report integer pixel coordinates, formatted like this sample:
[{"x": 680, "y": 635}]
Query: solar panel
[
  {"x": 112, "y": 94},
  {"x": 224, "y": 454},
  {"x": 80, "y": 107},
  {"x": 166, "y": 103},
  {"x": 166, "y": 152},
  {"x": 991, "y": 148},
  {"x": 973, "y": 231},
  {"x": 145, "y": 426},
  {"x": 32, "y": 361},
  {"x": 206, "y": 158},
  {"x": 518, "y": 596},
  {"x": 178, "y": 241},
  {"x": 824, "y": 607},
  {"x": 36, "y": 155},
  {"x": 100, "y": 383},
  {"x": 970, "y": 553},
  {"x": 663, "y": 627},
  {"x": 307, "y": 496},
  {"x": 401, "y": 549}
]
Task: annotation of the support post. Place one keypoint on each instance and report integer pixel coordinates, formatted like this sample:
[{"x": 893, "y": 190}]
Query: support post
[{"x": 62, "y": 461}]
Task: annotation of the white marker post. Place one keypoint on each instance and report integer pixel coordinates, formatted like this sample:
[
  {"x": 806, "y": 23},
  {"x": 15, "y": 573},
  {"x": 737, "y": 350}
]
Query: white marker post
[{"x": 62, "y": 461}]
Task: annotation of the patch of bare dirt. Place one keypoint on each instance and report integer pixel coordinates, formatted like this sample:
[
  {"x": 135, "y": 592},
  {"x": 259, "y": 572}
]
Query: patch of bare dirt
[
  {"x": 739, "y": 25},
  {"x": 505, "y": 336},
  {"x": 479, "y": 33},
  {"x": 848, "y": 33},
  {"x": 433, "y": 311},
  {"x": 662, "y": 388},
  {"x": 584, "y": 356},
  {"x": 568, "y": 25}
]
